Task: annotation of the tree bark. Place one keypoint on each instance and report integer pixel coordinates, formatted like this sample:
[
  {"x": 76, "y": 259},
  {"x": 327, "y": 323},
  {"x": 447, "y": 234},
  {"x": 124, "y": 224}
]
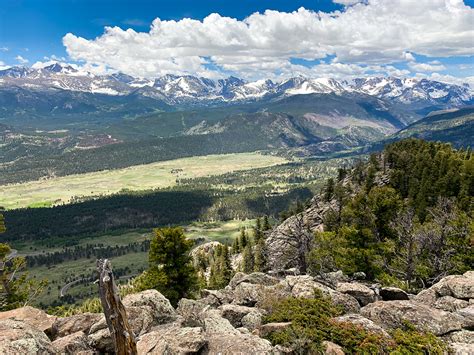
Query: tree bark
[{"x": 114, "y": 310}]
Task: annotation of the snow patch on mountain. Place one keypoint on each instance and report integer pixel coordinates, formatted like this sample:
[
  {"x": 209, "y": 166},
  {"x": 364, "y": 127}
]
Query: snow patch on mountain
[{"x": 175, "y": 89}]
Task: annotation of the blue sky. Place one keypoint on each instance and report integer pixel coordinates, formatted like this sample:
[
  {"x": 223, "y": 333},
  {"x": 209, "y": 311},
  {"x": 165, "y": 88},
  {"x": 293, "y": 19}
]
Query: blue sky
[{"x": 35, "y": 30}]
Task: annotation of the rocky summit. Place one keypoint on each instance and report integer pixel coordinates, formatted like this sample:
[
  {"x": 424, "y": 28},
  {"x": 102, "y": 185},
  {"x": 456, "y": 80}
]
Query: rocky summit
[{"x": 231, "y": 320}]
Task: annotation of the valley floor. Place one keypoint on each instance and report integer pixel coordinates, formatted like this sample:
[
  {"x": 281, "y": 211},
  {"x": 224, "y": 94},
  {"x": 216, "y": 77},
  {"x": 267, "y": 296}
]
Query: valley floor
[
  {"x": 65, "y": 272},
  {"x": 141, "y": 177}
]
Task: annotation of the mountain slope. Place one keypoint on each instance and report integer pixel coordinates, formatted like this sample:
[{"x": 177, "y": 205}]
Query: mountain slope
[{"x": 456, "y": 127}]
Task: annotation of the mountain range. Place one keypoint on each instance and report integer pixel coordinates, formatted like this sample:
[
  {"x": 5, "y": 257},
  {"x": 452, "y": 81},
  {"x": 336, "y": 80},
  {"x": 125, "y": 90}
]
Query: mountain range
[{"x": 187, "y": 89}]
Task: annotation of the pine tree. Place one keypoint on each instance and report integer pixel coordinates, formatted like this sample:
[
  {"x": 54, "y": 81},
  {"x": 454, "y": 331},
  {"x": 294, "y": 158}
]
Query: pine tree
[
  {"x": 236, "y": 246},
  {"x": 329, "y": 190},
  {"x": 171, "y": 270},
  {"x": 2, "y": 224},
  {"x": 226, "y": 266},
  {"x": 266, "y": 223},
  {"x": 260, "y": 260},
  {"x": 258, "y": 233},
  {"x": 243, "y": 239},
  {"x": 213, "y": 282},
  {"x": 248, "y": 261}
]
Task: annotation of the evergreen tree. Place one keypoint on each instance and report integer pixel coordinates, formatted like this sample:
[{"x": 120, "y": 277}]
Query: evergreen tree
[
  {"x": 266, "y": 223},
  {"x": 213, "y": 277},
  {"x": 221, "y": 269},
  {"x": 257, "y": 231},
  {"x": 16, "y": 288},
  {"x": 226, "y": 266},
  {"x": 236, "y": 246},
  {"x": 329, "y": 190},
  {"x": 243, "y": 239},
  {"x": 260, "y": 260},
  {"x": 341, "y": 174},
  {"x": 171, "y": 270},
  {"x": 248, "y": 261},
  {"x": 2, "y": 224}
]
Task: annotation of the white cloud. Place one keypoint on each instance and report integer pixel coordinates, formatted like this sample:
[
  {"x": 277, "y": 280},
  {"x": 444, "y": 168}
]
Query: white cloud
[
  {"x": 3, "y": 66},
  {"x": 348, "y": 2},
  {"x": 377, "y": 33},
  {"x": 21, "y": 60},
  {"x": 448, "y": 79},
  {"x": 4, "y": 49},
  {"x": 428, "y": 67}
]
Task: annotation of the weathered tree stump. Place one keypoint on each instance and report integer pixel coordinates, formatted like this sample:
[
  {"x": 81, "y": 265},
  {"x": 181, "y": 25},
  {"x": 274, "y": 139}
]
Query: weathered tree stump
[{"x": 114, "y": 310}]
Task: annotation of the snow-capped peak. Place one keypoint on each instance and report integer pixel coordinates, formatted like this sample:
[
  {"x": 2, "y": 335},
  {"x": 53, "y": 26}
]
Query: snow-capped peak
[{"x": 175, "y": 89}]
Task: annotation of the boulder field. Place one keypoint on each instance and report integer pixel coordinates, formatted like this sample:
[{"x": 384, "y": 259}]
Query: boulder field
[{"x": 229, "y": 321}]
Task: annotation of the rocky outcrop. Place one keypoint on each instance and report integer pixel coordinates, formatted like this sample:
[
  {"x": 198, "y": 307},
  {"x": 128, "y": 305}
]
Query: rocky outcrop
[
  {"x": 230, "y": 321},
  {"x": 256, "y": 278},
  {"x": 153, "y": 303},
  {"x": 144, "y": 311},
  {"x": 73, "y": 324},
  {"x": 280, "y": 242},
  {"x": 235, "y": 314},
  {"x": 172, "y": 339},
  {"x": 192, "y": 312},
  {"x": 360, "y": 321},
  {"x": 18, "y": 337},
  {"x": 331, "y": 348},
  {"x": 360, "y": 292},
  {"x": 74, "y": 343},
  {"x": 456, "y": 286},
  {"x": 34, "y": 317},
  {"x": 304, "y": 286},
  {"x": 393, "y": 314},
  {"x": 268, "y": 328},
  {"x": 461, "y": 349},
  {"x": 393, "y": 294}
]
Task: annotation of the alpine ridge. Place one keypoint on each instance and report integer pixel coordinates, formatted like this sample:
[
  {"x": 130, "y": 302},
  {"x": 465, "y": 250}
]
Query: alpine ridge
[{"x": 188, "y": 89}]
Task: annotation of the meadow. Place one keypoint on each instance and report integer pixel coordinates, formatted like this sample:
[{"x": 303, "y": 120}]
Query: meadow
[
  {"x": 162, "y": 174},
  {"x": 60, "y": 274}
]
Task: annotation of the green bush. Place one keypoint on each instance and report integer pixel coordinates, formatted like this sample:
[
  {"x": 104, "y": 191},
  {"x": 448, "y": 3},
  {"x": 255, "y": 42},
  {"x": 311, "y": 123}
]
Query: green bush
[{"x": 312, "y": 324}]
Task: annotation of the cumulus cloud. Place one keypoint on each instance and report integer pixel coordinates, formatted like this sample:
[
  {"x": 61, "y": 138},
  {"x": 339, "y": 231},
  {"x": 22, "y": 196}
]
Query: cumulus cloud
[
  {"x": 348, "y": 2},
  {"x": 262, "y": 45},
  {"x": 427, "y": 67},
  {"x": 21, "y": 60},
  {"x": 469, "y": 80},
  {"x": 3, "y": 66}
]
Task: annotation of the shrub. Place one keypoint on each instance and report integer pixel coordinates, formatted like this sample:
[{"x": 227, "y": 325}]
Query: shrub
[{"x": 312, "y": 324}]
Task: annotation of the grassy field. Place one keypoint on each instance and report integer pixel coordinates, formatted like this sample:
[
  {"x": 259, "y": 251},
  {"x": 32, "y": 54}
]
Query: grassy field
[
  {"x": 141, "y": 177},
  {"x": 60, "y": 274}
]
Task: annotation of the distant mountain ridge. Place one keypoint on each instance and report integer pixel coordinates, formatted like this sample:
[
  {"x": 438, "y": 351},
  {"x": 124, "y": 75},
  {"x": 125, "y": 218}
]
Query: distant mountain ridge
[{"x": 188, "y": 89}]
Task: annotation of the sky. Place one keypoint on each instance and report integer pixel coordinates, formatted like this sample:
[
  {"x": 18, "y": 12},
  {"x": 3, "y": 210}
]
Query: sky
[{"x": 251, "y": 39}]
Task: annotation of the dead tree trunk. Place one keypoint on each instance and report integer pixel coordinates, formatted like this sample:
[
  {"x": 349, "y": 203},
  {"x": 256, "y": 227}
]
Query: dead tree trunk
[{"x": 114, "y": 310}]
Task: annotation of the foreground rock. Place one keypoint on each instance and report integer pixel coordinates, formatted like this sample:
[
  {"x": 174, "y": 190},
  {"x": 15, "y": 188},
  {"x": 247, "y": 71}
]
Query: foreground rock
[
  {"x": 223, "y": 338},
  {"x": 171, "y": 339},
  {"x": 154, "y": 303},
  {"x": 34, "y": 317},
  {"x": 393, "y": 294},
  {"x": 360, "y": 321},
  {"x": 393, "y": 314},
  {"x": 456, "y": 286},
  {"x": 304, "y": 286},
  {"x": 242, "y": 316},
  {"x": 361, "y": 293},
  {"x": 74, "y": 343},
  {"x": 229, "y": 321},
  {"x": 73, "y": 324},
  {"x": 17, "y": 337}
]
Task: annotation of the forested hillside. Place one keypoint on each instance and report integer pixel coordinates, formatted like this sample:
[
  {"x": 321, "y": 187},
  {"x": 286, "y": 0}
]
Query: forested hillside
[{"x": 404, "y": 217}]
